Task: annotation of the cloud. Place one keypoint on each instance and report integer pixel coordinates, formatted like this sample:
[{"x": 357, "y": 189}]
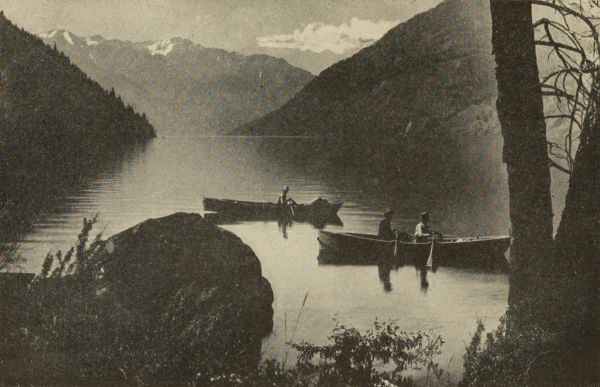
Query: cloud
[{"x": 319, "y": 37}]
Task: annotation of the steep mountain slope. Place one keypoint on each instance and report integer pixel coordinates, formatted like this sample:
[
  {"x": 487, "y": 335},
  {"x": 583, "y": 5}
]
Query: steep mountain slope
[
  {"x": 183, "y": 87},
  {"x": 415, "y": 115},
  {"x": 418, "y": 108},
  {"x": 430, "y": 67},
  {"x": 56, "y": 124}
]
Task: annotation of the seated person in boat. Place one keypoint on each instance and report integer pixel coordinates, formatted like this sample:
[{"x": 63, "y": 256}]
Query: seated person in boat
[
  {"x": 385, "y": 229},
  {"x": 385, "y": 226},
  {"x": 422, "y": 231},
  {"x": 283, "y": 199}
]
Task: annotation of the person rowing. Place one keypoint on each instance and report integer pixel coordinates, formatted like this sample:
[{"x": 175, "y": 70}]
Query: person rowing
[
  {"x": 286, "y": 202},
  {"x": 385, "y": 228},
  {"x": 283, "y": 198},
  {"x": 422, "y": 231}
]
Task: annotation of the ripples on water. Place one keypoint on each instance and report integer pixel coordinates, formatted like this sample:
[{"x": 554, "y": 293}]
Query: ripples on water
[{"x": 174, "y": 174}]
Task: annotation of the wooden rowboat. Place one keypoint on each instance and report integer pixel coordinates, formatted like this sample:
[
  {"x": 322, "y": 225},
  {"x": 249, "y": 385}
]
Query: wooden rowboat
[
  {"x": 319, "y": 210},
  {"x": 360, "y": 249},
  {"x": 223, "y": 218}
]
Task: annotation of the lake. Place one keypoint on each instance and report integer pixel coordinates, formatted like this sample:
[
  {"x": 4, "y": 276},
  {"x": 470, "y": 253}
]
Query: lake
[{"x": 173, "y": 174}]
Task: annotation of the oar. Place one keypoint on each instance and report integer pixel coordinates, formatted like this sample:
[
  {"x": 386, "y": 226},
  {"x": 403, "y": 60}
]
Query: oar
[{"x": 430, "y": 259}]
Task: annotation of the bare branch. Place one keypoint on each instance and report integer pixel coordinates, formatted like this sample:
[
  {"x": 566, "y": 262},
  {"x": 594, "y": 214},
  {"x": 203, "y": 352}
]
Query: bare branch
[
  {"x": 559, "y": 167},
  {"x": 558, "y": 93},
  {"x": 559, "y": 45},
  {"x": 574, "y": 84},
  {"x": 563, "y": 116},
  {"x": 569, "y": 11}
]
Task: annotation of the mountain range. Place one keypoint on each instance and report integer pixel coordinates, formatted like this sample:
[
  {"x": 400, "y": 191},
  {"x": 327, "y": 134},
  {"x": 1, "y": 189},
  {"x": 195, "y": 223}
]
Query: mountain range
[
  {"x": 412, "y": 114},
  {"x": 183, "y": 87},
  {"x": 57, "y": 124},
  {"x": 416, "y": 111}
]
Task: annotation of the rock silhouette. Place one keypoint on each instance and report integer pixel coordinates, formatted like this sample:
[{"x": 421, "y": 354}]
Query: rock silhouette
[{"x": 170, "y": 299}]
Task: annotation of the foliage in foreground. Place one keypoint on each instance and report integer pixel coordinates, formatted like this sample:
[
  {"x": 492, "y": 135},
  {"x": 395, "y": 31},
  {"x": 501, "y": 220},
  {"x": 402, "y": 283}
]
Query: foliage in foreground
[
  {"x": 520, "y": 356},
  {"x": 376, "y": 357},
  {"x": 72, "y": 342}
]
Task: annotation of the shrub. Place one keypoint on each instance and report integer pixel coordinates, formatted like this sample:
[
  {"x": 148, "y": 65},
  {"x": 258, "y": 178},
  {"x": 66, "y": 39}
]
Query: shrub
[
  {"x": 353, "y": 357},
  {"x": 506, "y": 357},
  {"x": 377, "y": 357},
  {"x": 73, "y": 342}
]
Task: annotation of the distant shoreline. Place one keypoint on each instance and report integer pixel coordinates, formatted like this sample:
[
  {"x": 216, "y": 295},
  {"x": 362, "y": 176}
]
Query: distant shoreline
[{"x": 237, "y": 136}]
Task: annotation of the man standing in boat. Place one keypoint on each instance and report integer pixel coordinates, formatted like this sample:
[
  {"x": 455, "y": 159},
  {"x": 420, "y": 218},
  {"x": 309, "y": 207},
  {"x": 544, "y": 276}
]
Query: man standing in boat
[
  {"x": 283, "y": 196},
  {"x": 286, "y": 202},
  {"x": 283, "y": 199}
]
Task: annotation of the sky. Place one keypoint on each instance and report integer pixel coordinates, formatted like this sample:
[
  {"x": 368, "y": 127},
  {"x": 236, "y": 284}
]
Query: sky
[{"x": 312, "y": 34}]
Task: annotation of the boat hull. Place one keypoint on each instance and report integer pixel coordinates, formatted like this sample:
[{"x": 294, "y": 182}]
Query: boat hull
[
  {"x": 320, "y": 211},
  {"x": 353, "y": 249},
  {"x": 364, "y": 249}
]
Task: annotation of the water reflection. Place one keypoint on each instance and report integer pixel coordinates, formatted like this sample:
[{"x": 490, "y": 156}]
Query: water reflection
[
  {"x": 386, "y": 263},
  {"x": 384, "y": 269},
  {"x": 283, "y": 225},
  {"x": 423, "y": 276},
  {"x": 227, "y": 218},
  {"x": 173, "y": 175}
]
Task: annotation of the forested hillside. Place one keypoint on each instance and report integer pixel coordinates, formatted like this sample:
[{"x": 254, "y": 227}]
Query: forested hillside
[{"x": 56, "y": 125}]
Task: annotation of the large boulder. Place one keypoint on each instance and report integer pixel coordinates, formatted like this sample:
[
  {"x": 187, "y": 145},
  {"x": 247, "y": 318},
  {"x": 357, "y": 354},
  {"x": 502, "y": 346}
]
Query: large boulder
[{"x": 170, "y": 300}]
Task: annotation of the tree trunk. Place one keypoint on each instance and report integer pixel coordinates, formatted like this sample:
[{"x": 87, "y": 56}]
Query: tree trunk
[
  {"x": 577, "y": 255},
  {"x": 521, "y": 114}
]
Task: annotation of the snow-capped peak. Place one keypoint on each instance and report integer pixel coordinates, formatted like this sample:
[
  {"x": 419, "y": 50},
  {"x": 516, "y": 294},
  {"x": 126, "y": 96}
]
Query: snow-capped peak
[
  {"x": 67, "y": 37},
  {"x": 162, "y": 47},
  {"x": 48, "y": 35},
  {"x": 91, "y": 42}
]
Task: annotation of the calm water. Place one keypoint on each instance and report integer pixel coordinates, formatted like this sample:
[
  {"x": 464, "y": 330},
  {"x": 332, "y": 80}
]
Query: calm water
[{"x": 173, "y": 174}]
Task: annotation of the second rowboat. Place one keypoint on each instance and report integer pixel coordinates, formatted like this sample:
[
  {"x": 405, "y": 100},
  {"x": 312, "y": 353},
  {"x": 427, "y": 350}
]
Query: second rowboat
[
  {"x": 360, "y": 249},
  {"x": 318, "y": 210}
]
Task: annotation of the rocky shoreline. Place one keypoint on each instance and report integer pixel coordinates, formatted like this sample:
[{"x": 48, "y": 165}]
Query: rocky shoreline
[{"x": 167, "y": 300}]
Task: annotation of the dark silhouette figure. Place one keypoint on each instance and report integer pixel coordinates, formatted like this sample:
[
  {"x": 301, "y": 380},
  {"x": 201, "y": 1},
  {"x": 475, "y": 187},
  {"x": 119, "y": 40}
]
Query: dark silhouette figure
[
  {"x": 284, "y": 199},
  {"x": 385, "y": 226},
  {"x": 286, "y": 203},
  {"x": 283, "y": 196}
]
